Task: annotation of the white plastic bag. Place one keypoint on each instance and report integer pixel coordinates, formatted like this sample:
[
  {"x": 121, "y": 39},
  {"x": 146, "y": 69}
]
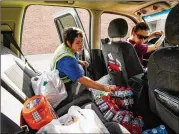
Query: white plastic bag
[
  {"x": 76, "y": 121},
  {"x": 105, "y": 80},
  {"x": 49, "y": 85}
]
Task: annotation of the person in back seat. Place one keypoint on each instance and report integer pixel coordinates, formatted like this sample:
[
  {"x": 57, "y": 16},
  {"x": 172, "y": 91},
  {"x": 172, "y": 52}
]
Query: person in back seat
[
  {"x": 65, "y": 60},
  {"x": 139, "y": 35}
]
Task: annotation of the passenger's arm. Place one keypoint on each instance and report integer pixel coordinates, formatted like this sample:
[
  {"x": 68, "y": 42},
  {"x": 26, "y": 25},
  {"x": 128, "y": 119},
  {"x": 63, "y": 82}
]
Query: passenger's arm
[
  {"x": 155, "y": 46},
  {"x": 154, "y": 34},
  {"x": 152, "y": 48},
  {"x": 93, "y": 84}
]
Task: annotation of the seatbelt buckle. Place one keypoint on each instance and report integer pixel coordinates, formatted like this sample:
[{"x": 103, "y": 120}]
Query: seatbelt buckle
[{"x": 25, "y": 129}]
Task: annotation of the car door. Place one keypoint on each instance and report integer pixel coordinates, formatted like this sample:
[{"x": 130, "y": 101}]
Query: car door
[{"x": 69, "y": 18}]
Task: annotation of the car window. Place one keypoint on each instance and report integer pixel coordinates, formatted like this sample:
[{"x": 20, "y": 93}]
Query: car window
[
  {"x": 40, "y": 37},
  {"x": 106, "y": 18},
  {"x": 157, "y": 21}
]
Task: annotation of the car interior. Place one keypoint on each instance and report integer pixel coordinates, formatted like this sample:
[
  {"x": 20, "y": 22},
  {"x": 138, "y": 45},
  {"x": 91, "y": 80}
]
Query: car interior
[{"x": 156, "y": 89}]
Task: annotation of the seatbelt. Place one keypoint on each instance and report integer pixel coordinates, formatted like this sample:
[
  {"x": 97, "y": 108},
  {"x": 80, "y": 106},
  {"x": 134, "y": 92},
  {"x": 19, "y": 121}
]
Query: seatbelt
[{"x": 8, "y": 36}]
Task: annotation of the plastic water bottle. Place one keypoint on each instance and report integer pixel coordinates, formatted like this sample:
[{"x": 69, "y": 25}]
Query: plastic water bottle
[
  {"x": 126, "y": 99},
  {"x": 146, "y": 131},
  {"x": 119, "y": 116},
  {"x": 121, "y": 96},
  {"x": 109, "y": 114},
  {"x": 126, "y": 120},
  {"x": 162, "y": 130},
  {"x": 131, "y": 100},
  {"x": 158, "y": 130},
  {"x": 103, "y": 107},
  {"x": 154, "y": 131},
  {"x": 99, "y": 102},
  {"x": 137, "y": 125}
]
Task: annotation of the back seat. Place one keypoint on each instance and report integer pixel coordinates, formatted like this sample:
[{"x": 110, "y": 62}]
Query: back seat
[
  {"x": 12, "y": 119},
  {"x": 16, "y": 77},
  {"x": 16, "y": 74}
]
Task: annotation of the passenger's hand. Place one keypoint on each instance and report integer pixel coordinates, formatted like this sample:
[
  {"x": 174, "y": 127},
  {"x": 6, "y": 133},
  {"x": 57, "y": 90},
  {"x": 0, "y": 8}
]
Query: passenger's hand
[
  {"x": 109, "y": 88},
  {"x": 159, "y": 41},
  {"x": 156, "y": 34},
  {"x": 84, "y": 63}
]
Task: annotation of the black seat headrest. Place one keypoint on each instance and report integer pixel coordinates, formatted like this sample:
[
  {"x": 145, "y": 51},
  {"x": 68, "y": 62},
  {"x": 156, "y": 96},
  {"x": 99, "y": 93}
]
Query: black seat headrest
[
  {"x": 172, "y": 26},
  {"x": 118, "y": 28}
]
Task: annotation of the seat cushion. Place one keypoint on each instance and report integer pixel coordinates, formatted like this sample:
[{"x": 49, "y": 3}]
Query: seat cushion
[{"x": 15, "y": 76}]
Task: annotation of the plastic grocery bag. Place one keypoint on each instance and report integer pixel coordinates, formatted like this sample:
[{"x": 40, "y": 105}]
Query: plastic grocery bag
[
  {"x": 77, "y": 120},
  {"x": 105, "y": 80},
  {"x": 49, "y": 85}
]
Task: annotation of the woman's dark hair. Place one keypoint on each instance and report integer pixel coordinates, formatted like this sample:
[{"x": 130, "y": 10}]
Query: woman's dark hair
[
  {"x": 140, "y": 26},
  {"x": 71, "y": 33}
]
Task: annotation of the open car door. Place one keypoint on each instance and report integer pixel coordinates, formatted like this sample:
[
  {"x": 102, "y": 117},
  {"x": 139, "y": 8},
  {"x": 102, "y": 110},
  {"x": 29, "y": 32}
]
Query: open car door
[{"x": 69, "y": 18}]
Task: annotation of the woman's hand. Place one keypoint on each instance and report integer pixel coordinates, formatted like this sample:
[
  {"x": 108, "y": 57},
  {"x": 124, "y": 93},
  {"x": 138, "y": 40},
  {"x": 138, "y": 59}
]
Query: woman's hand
[
  {"x": 109, "y": 88},
  {"x": 95, "y": 85},
  {"x": 84, "y": 63}
]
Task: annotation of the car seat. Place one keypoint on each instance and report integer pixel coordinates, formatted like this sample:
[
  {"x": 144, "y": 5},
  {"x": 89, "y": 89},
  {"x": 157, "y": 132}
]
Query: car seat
[
  {"x": 122, "y": 51},
  {"x": 163, "y": 75},
  {"x": 16, "y": 77}
]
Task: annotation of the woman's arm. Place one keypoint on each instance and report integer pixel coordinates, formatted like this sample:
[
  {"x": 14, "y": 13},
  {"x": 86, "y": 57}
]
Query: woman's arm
[{"x": 93, "y": 84}]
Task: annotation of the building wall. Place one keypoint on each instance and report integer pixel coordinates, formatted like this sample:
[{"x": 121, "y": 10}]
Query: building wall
[{"x": 39, "y": 31}]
